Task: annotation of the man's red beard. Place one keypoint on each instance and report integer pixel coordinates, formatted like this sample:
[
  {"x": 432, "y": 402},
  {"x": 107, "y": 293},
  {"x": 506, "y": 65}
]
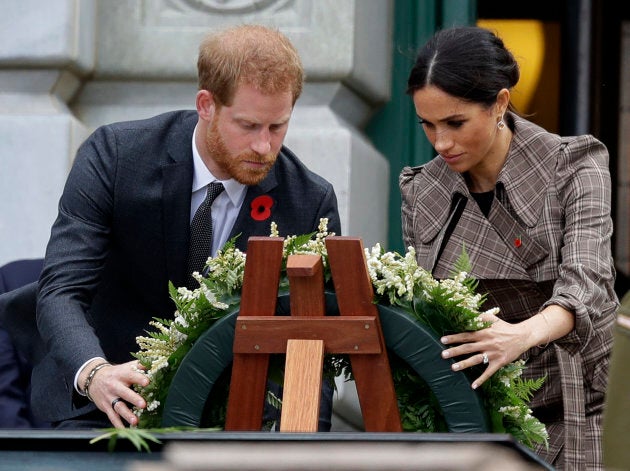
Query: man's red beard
[{"x": 233, "y": 165}]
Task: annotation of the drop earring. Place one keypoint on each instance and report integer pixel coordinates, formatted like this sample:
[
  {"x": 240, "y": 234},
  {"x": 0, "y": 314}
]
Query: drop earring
[{"x": 501, "y": 124}]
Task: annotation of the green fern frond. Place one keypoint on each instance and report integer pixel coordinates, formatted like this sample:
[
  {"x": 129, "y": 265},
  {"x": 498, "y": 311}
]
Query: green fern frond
[{"x": 462, "y": 264}]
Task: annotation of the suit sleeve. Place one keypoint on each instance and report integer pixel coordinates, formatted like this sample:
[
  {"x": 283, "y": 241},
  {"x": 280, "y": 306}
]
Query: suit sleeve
[
  {"x": 14, "y": 404},
  {"x": 76, "y": 254},
  {"x": 329, "y": 209}
]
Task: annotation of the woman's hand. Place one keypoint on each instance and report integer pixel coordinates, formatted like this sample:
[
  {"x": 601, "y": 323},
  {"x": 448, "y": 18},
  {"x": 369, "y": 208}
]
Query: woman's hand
[
  {"x": 503, "y": 343},
  {"x": 500, "y": 344}
]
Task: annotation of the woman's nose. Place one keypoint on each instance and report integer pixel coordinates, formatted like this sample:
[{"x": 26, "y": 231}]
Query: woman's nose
[{"x": 442, "y": 141}]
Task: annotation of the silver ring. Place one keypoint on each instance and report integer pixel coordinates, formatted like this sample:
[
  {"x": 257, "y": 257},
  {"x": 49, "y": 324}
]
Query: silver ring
[
  {"x": 485, "y": 358},
  {"x": 115, "y": 401}
]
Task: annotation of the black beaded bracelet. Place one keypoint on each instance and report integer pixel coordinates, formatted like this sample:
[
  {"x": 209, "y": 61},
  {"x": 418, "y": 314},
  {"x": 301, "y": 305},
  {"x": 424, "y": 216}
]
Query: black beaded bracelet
[{"x": 90, "y": 377}]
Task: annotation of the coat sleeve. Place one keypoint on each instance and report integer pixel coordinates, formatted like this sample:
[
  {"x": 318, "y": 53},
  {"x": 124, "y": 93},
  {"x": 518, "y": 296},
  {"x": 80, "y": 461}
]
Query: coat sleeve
[{"x": 586, "y": 273}]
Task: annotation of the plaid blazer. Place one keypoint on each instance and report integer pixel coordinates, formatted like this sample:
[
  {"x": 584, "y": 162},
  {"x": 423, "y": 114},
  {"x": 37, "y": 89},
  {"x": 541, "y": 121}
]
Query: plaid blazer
[{"x": 550, "y": 224}]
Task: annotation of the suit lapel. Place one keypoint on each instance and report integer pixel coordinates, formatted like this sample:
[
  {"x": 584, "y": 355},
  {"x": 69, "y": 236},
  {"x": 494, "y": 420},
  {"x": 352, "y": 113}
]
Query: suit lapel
[
  {"x": 177, "y": 177},
  {"x": 176, "y": 204}
]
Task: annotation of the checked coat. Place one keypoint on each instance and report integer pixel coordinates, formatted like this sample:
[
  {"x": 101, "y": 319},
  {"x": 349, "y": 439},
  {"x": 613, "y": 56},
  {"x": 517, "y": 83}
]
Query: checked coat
[{"x": 546, "y": 240}]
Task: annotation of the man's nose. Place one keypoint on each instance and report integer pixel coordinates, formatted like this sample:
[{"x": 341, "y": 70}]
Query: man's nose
[{"x": 262, "y": 143}]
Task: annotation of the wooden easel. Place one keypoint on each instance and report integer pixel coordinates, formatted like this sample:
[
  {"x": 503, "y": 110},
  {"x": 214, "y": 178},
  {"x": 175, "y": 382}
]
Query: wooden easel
[{"x": 306, "y": 335}]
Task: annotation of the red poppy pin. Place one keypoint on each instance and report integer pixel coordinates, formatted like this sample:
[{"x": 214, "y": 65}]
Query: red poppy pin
[
  {"x": 518, "y": 242},
  {"x": 261, "y": 207}
]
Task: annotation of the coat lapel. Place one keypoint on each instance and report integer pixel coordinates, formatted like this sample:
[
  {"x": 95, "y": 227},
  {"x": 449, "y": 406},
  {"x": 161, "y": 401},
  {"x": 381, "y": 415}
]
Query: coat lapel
[
  {"x": 437, "y": 192},
  {"x": 524, "y": 248},
  {"x": 531, "y": 165}
]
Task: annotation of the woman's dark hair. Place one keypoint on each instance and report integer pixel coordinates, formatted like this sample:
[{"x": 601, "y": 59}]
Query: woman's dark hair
[{"x": 467, "y": 62}]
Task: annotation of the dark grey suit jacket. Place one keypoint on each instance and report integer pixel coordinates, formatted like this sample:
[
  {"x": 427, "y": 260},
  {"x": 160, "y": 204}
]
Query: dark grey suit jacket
[{"x": 122, "y": 233}]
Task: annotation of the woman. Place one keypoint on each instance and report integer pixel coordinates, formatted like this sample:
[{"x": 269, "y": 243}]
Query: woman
[{"x": 532, "y": 211}]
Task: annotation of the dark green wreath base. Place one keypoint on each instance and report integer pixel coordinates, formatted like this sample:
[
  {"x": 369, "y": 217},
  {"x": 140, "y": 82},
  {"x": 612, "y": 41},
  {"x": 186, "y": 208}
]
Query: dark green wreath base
[{"x": 406, "y": 337}]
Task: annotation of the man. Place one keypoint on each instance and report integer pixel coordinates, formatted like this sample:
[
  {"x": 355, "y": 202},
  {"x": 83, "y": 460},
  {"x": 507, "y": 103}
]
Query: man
[{"x": 124, "y": 222}]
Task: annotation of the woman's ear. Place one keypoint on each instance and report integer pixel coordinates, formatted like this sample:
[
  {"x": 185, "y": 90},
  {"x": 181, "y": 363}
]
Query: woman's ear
[
  {"x": 503, "y": 100},
  {"x": 205, "y": 105}
]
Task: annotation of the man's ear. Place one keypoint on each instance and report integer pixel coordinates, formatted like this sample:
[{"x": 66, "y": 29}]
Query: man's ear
[{"x": 206, "y": 107}]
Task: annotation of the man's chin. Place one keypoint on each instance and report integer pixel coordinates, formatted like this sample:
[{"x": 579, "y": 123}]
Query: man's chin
[{"x": 250, "y": 178}]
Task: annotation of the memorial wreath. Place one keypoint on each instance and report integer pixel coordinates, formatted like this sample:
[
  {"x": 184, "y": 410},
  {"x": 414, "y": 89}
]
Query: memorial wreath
[{"x": 448, "y": 305}]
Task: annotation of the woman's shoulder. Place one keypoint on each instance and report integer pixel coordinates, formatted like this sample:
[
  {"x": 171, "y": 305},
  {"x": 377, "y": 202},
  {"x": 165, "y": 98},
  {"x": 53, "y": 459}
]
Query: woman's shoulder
[
  {"x": 569, "y": 149},
  {"x": 584, "y": 149},
  {"x": 408, "y": 173},
  {"x": 433, "y": 177},
  {"x": 530, "y": 137},
  {"x": 435, "y": 169}
]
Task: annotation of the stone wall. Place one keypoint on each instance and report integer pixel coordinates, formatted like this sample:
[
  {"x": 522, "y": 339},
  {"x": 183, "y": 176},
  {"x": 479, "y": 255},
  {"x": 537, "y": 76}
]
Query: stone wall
[{"x": 68, "y": 66}]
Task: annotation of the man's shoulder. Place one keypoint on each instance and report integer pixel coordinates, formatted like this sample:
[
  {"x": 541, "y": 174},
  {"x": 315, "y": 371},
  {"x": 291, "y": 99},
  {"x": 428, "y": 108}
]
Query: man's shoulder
[
  {"x": 158, "y": 122},
  {"x": 151, "y": 140},
  {"x": 172, "y": 130}
]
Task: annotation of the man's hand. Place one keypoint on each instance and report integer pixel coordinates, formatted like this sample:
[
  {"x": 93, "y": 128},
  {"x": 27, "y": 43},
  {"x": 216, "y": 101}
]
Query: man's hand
[{"x": 111, "y": 390}]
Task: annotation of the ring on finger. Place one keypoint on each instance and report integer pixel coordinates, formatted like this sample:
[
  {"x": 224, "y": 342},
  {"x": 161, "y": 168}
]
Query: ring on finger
[
  {"x": 485, "y": 358},
  {"x": 116, "y": 401}
]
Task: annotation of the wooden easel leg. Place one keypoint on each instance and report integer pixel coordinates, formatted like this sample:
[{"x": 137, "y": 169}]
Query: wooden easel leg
[
  {"x": 302, "y": 386},
  {"x": 246, "y": 400},
  {"x": 249, "y": 371},
  {"x": 377, "y": 395},
  {"x": 305, "y": 358},
  {"x": 372, "y": 373}
]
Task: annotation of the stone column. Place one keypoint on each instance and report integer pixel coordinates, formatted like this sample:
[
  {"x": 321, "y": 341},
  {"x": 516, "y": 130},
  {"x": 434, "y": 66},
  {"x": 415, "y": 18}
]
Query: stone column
[{"x": 46, "y": 48}]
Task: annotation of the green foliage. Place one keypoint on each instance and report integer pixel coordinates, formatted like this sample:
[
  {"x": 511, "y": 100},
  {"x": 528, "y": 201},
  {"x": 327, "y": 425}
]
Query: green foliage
[
  {"x": 140, "y": 438},
  {"x": 450, "y": 306},
  {"x": 462, "y": 264},
  {"x": 296, "y": 244},
  {"x": 418, "y": 407}
]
